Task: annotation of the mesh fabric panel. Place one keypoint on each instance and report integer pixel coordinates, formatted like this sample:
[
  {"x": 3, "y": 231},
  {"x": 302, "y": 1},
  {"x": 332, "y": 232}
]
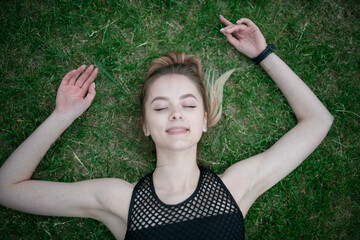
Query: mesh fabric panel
[{"x": 209, "y": 213}]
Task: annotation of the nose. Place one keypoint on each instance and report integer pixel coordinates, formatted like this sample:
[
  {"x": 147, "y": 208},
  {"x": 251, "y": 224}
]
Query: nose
[{"x": 176, "y": 114}]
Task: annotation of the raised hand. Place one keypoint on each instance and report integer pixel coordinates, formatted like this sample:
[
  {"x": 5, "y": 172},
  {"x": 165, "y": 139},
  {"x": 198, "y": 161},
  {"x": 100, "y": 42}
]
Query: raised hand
[
  {"x": 76, "y": 92},
  {"x": 245, "y": 36}
]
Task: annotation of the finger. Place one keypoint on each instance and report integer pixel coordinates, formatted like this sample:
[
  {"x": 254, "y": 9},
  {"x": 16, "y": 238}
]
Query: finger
[
  {"x": 76, "y": 75},
  {"x": 233, "y": 40},
  {"x": 90, "y": 79},
  {"x": 235, "y": 28},
  {"x": 223, "y": 30},
  {"x": 91, "y": 94},
  {"x": 80, "y": 81},
  {"x": 67, "y": 77},
  {"x": 225, "y": 21},
  {"x": 246, "y": 21}
]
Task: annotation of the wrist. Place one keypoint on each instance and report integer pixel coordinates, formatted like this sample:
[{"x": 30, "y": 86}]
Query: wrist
[
  {"x": 61, "y": 118},
  {"x": 269, "y": 62},
  {"x": 259, "y": 51},
  {"x": 264, "y": 54}
]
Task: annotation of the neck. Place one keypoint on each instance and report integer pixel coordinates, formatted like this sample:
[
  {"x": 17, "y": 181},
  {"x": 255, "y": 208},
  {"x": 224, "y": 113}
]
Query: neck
[{"x": 176, "y": 169}]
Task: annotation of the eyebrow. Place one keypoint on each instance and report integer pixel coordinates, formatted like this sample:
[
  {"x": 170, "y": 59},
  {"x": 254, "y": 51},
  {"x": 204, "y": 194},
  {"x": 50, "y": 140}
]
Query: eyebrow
[{"x": 167, "y": 99}]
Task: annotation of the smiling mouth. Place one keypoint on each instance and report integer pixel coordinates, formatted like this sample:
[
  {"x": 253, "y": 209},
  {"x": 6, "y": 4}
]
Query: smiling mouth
[{"x": 177, "y": 131}]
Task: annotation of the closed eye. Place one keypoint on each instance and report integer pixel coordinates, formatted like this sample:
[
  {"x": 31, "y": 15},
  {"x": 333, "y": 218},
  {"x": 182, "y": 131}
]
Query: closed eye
[
  {"x": 159, "y": 109},
  {"x": 190, "y": 106}
]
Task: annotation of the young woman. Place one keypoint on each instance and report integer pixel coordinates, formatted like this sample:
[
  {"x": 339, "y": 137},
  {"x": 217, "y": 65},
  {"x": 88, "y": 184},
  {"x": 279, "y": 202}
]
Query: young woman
[{"x": 178, "y": 200}]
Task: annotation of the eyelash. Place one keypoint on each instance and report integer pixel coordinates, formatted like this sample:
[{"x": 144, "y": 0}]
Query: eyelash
[{"x": 160, "y": 109}]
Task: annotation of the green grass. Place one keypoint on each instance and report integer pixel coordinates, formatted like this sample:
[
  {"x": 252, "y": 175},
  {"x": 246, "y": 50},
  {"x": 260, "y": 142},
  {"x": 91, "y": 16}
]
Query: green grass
[{"x": 319, "y": 40}]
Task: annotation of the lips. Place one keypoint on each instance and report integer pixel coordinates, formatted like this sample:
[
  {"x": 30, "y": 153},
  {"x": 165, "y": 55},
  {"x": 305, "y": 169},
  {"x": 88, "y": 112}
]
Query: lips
[{"x": 177, "y": 130}]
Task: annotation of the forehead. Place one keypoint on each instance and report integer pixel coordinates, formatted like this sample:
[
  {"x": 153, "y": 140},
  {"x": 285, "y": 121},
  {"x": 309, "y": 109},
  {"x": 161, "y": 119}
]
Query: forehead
[{"x": 173, "y": 85}]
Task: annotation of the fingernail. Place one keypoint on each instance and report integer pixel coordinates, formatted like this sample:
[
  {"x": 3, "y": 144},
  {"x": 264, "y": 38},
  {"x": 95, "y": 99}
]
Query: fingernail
[
  {"x": 94, "y": 84},
  {"x": 228, "y": 30},
  {"x": 221, "y": 16},
  {"x": 222, "y": 32},
  {"x": 237, "y": 21}
]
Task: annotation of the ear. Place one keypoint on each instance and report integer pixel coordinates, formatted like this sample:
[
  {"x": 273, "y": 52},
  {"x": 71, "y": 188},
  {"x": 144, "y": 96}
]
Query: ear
[
  {"x": 205, "y": 122},
  {"x": 144, "y": 128},
  {"x": 146, "y": 133}
]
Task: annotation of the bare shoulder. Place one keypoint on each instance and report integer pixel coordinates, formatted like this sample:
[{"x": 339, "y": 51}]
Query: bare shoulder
[
  {"x": 238, "y": 178},
  {"x": 114, "y": 196}
]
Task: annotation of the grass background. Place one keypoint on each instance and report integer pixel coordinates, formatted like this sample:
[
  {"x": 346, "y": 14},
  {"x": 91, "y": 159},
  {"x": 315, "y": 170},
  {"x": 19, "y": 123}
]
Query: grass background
[{"x": 40, "y": 41}]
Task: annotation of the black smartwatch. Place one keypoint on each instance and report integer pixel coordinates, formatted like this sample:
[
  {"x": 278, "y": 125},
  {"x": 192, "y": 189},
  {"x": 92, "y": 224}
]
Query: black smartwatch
[{"x": 269, "y": 49}]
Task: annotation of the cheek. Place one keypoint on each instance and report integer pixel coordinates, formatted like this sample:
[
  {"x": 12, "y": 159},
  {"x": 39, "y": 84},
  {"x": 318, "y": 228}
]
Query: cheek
[
  {"x": 198, "y": 121},
  {"x": 154, "y": 123}
]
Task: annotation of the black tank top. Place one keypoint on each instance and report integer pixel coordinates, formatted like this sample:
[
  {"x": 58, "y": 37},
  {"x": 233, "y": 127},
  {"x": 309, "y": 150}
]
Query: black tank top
[{"x": 209, "y": 213}]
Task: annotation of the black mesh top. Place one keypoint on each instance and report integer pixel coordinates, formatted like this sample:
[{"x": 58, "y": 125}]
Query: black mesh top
[{"x": 209, "y": 213}]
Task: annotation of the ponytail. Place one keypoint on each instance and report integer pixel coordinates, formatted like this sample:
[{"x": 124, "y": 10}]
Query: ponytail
[{"x": 214, "y": 89}]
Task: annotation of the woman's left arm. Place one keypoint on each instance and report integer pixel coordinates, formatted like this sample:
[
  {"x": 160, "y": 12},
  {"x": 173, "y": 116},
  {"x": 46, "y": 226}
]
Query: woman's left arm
[
  {"x": 314, "y": 122},
  {"x": 264, "y": 170}
]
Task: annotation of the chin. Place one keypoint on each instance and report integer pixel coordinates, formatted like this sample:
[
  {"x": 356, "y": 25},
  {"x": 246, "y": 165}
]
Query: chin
[
  {"x": 177, "y": 143},
  {"x": 178, "y": 146}
]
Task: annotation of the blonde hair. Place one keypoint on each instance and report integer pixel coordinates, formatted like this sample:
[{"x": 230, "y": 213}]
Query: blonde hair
[
  {"x": 211, "y": 90},
  {"x": 215, "y": 89}
]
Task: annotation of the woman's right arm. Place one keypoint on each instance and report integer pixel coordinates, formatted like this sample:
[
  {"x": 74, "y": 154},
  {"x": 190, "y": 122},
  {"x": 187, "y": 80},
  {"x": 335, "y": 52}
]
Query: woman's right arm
[{"x": 80, "y": 199}]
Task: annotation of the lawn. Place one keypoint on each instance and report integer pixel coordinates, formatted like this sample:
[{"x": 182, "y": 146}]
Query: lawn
[{"x": 42, "y": 40}]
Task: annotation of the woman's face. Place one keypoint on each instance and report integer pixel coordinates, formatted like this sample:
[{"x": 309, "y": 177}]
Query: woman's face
[{"x": 174, "y": 113}]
